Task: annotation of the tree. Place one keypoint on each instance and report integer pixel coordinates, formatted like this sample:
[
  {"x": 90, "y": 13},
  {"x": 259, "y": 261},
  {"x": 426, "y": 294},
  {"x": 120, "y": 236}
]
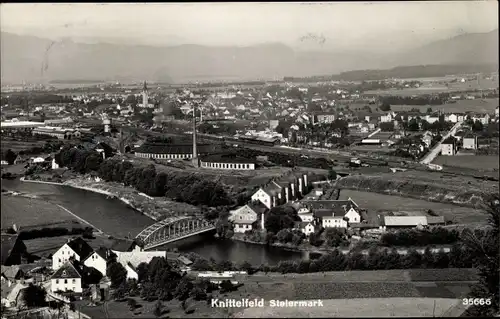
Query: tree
[
  {"x": 158, "y": 309},
  {"x": 486, "y": 256},
  {"x": 332, "y": 175},
  {"x": 116, "y": 273},
  {"x": 132, "y": 304},
  {"x": 10, "y": 156},
  {"x": 477, "y": 126},
  {"x": 413, "y": 125},
  {"x": 334, "y": 237},
  {"x": 429, "y": 110},
  {"x": 34, "y": 296},
  {"x": 385, "y": 107}
]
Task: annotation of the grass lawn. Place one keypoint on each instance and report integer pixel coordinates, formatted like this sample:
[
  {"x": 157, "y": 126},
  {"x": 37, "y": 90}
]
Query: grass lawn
[
  {"x": 479, "y": 162},
  {"x": 375, "y": 202},
  {"x": 24, "y": 212},
  {"x": 17, "y": 146}
]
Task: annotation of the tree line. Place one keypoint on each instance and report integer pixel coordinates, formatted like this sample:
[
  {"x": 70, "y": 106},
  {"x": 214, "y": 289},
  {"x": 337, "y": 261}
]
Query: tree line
[{"x": 190, "y": 189}]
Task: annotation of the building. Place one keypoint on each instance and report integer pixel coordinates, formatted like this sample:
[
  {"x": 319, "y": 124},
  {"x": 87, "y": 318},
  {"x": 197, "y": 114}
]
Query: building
[
  {"x": 448, "y": 147},
  {"x": 227, "y": 161},
  {"x": 130, "y": 260},
  {"x": 77, "y": 248},
  {"x": 68, "y": 277},
  {"x": 172, "y": 151},
  {"x": 57, "y": 132},
  {"x": 13, "y": 250},
  {"x": 323, "y": 118},
  {"x": 404, "y": 221},
  {"x": 273, "y": 124},
  {"x": 496, "y": 112},
  {"x": 12, "y": 296},
  {"x": 305, "y": 227},
  {"x": 387, "y": 118},
  {"x": 470, "y": 142},
  {"x": 332, "y": 213},
  {"x": 269, "y": 195},
  {"x": 98, "y": 260},
  {"x": 4, "y": 159},
  {"x": 246, "y": 217}
]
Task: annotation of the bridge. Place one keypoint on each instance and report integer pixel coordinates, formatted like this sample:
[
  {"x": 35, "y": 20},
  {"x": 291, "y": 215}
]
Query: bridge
[{"x": 172, "y": 229}]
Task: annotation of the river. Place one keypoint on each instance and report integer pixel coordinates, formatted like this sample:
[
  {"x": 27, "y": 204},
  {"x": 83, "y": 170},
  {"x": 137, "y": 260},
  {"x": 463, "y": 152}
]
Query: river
[{"x": 115, "y": 218}]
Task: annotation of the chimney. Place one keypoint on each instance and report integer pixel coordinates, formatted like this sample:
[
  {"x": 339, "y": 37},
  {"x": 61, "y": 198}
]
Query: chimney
[{"x": 194, "y": 159}]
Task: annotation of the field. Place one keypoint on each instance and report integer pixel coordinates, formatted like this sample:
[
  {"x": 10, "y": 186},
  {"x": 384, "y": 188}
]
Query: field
[
  {"x": 375, "y": 203},
  {"x": 24, "y": 212},
  {"x": 478, "y": 105},
  {"x": 435, "y": 87},
  {"x": 480, "y": 162},
  {"x": 356, "y": 308},
  {"x": 334, "y": 292},
  {"x": 17, "y": 146},
  {"x": 43, "y": 247}
]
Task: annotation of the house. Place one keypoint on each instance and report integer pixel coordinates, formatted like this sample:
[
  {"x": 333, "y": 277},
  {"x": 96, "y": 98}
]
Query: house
[
  {"x": 130, "y": 260},
  {"x": 68, "y": 277},
  {"x": 305, "y": 227},
  {"x": 4, "y": 159},
  {"x": 77, "y": 248},
  {"x": 98, "y": 260},
  {"x": 268, "y": 195},
  {"x": 36, "y": 160},
  {"x": 12, "y": 296},
  {"x": 389, "y": 117},
  {"x": 432, "y": 118},
  {"x": 246, "y": 217},
  {"x": 448, "y": 147},
  {"x": 405, "y": 221},
  {"x": 427, "y": 138},
  {"x": 11, "y": 274},
  {"x": 334, "y": 213},
  {"x": 470, "y": 142},
  {"x": 13, "y": 250}
]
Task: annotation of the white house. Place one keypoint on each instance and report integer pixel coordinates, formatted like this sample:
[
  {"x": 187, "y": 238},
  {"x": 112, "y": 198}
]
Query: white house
[
  {"x": 77, "y": 248},
  {"x": 98, "y": 260},
  {"x": 67, "y": 278},
  {"x": 130, "y": 260},
  {"x": 269, "y": 195},
  {"x": 245, "y": 218},
  {"x": 305, "y": 227},
  {"x": 448, "y": 148},
  {"x": 54, "y": 165},
  {"x": 333, "y": 221},
  {"x": 37, "y": 160}
]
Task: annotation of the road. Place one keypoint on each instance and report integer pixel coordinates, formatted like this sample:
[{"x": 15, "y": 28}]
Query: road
[{"x": 435, "y": 151}]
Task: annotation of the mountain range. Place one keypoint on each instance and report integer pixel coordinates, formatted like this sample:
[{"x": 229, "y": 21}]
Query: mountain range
[{"x": 30, "y": 59}]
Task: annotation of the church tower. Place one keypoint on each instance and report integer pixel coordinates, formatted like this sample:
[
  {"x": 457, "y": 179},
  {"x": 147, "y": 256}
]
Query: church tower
[
  {"x": 195, "y": 159},
  {"x": 145, "y": 95}
]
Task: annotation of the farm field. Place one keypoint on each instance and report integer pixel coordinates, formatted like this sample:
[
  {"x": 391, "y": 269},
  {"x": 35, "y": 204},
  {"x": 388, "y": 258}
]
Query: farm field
[
  {"x": 478, "y": 162},
  {"x": 24, "y": 212},
  {"x": 17, "y": 146},
  {"x": 43, "y": 247},
  {"x": 477, "y": 105},
  {"x": 375, "y": 202},
  {"x": 371, "y": 307}
]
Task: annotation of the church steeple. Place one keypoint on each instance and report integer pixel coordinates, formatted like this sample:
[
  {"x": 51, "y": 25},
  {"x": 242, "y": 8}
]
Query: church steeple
[
  {"x": 145, "y": 97},
  {"x": 145, "y": 87}
]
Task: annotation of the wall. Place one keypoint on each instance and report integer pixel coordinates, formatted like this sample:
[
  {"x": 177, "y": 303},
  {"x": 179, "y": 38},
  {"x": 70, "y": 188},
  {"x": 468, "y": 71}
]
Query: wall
[
  {"x": 73, "y": 284},
  {"x": 237, "y": 166},
  {"x": 61, "y": 256},
  {"x": 97, "y": 262}
]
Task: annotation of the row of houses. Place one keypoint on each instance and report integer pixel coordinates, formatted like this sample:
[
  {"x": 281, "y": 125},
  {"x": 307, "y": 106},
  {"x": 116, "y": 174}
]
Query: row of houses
[{"x": 285, "y": 189}]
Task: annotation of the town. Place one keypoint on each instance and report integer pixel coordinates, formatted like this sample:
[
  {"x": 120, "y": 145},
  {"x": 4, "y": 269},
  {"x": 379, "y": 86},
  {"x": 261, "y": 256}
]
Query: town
[{"x": 145, "y": 199}]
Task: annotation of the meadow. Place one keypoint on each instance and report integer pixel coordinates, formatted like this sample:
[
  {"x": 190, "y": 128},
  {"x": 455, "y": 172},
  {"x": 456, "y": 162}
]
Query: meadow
[
  {"x": 17, "y": 146},
  {"x": 26, "y": 212},
  {"x": 478, "y": 162},
  {"x": 461, "y": 106},
  {"x": 376, "y": 203}
]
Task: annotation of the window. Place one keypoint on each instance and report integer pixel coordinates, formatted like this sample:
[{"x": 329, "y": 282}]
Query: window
[
  {"x": 65, "y": 281},
  {"x": 73, "y": 281},
  {"x": 57, "y": 281},
  {"x": 59, "y": 259}
]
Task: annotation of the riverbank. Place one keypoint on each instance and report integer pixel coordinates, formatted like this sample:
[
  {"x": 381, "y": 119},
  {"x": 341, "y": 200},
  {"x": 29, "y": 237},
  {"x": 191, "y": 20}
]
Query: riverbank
[
  {"x": 154, "y": 208},
  {"x": 304, "y": 247}
]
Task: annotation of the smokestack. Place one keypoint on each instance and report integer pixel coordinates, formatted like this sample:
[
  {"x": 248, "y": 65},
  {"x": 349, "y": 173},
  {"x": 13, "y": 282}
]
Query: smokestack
[{"x": 194, "y": 160}]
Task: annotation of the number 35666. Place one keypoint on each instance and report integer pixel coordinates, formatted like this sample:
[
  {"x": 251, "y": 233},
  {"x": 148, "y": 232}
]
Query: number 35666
[{"x": 476, "y": 301}]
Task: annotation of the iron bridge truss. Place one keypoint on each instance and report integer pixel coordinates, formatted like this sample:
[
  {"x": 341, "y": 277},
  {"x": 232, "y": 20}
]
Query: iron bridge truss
[{"x": 173, "y": 228}]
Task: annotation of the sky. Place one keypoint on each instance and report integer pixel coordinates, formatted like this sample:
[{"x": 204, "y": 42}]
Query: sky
[{"x": 341, "y": 25}]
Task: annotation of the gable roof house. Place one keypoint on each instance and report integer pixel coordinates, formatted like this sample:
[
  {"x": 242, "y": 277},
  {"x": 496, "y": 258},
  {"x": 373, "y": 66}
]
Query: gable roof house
[
  {"x": 130, "y": 260},
  {"x": 68, "y": 277},
  {"x": 334, "y": 213},
  {"x": 11, "y": 274},
  {"x": 77, "y": 248},
  {"x": 13, "y": 250}
]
